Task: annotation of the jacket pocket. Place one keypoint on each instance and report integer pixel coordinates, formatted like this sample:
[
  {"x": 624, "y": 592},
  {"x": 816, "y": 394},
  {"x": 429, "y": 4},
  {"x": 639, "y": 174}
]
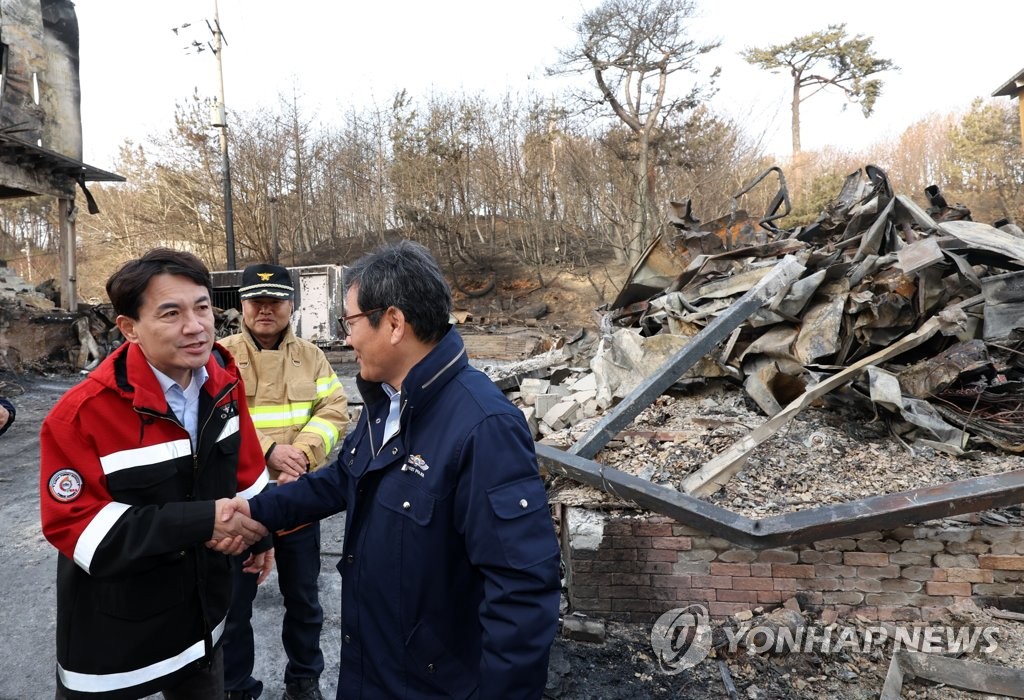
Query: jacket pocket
[
  {"x": 406, "y": 501},
  {"x": 433, "y": 664},
  {"x": 249, "y": 379},
  {"x": 152, "y": 483},
  {"x": 142, "y": 596},
  {"x": 524, "y": 526},
  {"x": 301, "y": 390}
]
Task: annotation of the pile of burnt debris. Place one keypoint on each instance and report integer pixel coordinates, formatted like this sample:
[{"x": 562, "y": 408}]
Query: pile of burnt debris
[
  {"x": 38, "y": 336},
  {"x": 910, "y": 312},
  {"x": 908, "y": 316}
]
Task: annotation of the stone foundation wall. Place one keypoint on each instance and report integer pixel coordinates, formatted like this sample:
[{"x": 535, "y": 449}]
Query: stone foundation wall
[{"x": 636, "y": 568}]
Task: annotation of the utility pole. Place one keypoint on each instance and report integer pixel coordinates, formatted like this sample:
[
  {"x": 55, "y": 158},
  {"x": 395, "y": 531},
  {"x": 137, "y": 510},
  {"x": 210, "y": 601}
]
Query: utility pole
[
  {"x": 275, "y": 253},
  {"x": 221, "y": 121}
]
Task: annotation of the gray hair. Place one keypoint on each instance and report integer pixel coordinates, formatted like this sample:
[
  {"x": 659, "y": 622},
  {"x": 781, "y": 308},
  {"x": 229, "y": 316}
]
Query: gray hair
[{"x": 404, "y": 275}]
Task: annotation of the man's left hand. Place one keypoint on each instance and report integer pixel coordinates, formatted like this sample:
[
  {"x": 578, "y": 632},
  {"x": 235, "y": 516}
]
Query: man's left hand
[{"x": 261, "y": 564}]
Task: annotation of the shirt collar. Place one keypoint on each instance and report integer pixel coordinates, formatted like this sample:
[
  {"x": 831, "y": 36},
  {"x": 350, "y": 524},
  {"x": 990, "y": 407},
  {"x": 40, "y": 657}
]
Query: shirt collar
[{"x": 199, "y": 377}]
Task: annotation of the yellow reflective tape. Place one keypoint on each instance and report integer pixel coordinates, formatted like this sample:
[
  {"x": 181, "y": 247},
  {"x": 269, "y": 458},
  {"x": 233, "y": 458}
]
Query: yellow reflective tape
[
  {"x": 281, "y": 416},
  {"x": 326, "y": 430},
  {"x": 290, "y": 408},
  {"x": 325, "y": 386}
]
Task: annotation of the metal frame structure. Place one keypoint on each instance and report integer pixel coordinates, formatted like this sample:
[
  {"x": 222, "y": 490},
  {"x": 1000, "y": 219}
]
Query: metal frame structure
[{"x": 802, "y": 527}]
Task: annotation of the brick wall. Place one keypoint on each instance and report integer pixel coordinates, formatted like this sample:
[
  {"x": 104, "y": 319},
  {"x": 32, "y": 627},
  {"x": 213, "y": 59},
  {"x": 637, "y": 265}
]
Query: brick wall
[{"x": 644, "y": 566}]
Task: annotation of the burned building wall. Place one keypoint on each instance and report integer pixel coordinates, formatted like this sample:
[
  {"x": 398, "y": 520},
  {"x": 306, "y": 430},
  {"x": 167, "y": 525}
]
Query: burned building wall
[
  {"x": 41, "y": 95},
  {"x": 635, "y": 568}
]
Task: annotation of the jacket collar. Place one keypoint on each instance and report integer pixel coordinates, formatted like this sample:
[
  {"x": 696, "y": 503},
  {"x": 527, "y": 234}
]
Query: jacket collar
[
  {"x": 127, "y": 372},
  {"x": 287, "y": 337},
  {"x": 425, "y": 379}
]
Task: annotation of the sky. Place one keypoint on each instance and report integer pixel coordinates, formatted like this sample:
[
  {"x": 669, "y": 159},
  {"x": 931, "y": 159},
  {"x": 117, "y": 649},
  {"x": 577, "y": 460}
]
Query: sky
[{"x": 337, "y": 56}]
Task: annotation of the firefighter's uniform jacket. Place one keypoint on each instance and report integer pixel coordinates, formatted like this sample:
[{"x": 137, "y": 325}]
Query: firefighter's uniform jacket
[{"x": 293, "y": 394}]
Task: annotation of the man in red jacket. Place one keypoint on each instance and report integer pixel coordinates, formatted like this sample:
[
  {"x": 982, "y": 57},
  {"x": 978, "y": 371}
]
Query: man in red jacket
[{"x": 136, "y": 464}]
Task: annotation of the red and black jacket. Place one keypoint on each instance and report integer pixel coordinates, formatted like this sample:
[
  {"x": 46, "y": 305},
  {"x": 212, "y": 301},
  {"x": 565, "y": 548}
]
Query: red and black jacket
[{"x": 130, "y": 505}]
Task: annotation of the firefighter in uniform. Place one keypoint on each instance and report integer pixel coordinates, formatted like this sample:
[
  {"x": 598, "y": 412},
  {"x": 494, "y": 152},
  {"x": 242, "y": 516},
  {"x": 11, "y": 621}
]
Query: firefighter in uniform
[{"x": 300, "y": 410}]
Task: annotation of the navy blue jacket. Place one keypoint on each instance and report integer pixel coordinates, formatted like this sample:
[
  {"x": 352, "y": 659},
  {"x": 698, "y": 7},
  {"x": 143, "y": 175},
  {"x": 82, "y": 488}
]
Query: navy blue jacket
[
  {"x": 10, "y": 419},
  {"x": 450, "y": 566}
]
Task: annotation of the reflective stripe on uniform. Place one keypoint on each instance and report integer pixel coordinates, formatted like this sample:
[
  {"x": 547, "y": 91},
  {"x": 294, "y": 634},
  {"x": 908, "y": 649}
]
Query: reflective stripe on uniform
[
  {"x": 108, "y": 682},
  {"x": 325, "y": 386},
  {"x": 231, "y": 426},
  {"x": 325, "y": 429},
  {"x": 281, "y": 416},
  {"x": 256, "y": 487},
  {"x": 95, "y": 531},
  {"x": 145, "y": 456}
]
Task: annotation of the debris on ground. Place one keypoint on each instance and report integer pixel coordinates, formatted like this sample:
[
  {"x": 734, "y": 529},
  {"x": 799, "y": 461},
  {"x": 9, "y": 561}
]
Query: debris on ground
[{"x": 788, "y": 653}]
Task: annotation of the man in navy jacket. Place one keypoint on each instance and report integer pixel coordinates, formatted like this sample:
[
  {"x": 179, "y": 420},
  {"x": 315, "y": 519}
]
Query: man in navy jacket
[
  {"x": 7, "y": 413},
  {"x": 450, "y": 566}
]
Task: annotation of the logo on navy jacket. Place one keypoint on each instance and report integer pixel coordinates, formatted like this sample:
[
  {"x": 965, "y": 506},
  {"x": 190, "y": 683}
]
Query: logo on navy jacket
[{"x": 415, "y": 465}]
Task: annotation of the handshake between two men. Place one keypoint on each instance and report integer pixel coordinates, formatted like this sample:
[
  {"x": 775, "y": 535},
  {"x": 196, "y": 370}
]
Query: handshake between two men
[{"x": 234, "y": 531}]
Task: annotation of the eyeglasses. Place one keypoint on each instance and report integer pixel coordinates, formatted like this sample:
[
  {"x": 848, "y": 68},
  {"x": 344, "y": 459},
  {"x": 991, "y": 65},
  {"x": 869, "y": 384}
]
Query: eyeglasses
[{"x": 345, "y": 321}]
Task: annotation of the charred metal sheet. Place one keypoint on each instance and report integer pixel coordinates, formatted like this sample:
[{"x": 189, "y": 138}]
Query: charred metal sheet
[
  {"x": 771, "y": 383},
  {"x": 653, "y": 271},
  {"x": 799, "y": 294},
  {"x": 907, "y": 212},
  {"x": 985, "y": 237},
  {"x": 666, "y": 256},
  {"x": 730, "y": 286},
  {"x": 871, "y": 241},
  {"x": 919, "y": 255},
  {"x": 776, "y": 343},
  {"x": 779, "y": 206},
  {"x": 1004, "y": 304},
  {"x": 715, "y": 332},
  {"x": 772, "y": 249},
  {"x": 933, "y": 375},
  {"x": 803, "y": 527},
  {"x": 822, "y": 322}
]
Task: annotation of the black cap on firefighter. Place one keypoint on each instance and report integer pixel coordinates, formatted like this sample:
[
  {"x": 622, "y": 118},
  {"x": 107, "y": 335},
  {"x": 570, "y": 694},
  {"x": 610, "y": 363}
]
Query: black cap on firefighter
[{"x": 266, "y": 281}]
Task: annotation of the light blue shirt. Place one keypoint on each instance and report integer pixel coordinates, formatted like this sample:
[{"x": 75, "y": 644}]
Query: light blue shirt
[
  {"x": 184, "y": 403},
  {"x": 394, "y": 413}
]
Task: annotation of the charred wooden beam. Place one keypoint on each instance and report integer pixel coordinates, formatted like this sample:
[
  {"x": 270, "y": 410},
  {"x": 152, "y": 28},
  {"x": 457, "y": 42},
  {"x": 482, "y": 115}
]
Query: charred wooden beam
[
  {"x": 956, "y": 673},
  {"x": 680, "y": 506}
]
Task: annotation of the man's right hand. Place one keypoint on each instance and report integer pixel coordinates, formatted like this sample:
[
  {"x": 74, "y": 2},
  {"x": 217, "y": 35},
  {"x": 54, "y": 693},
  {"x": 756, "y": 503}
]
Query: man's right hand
[
  {"x": 289, "y": 460},
  {"x": 231, "y": 522}
]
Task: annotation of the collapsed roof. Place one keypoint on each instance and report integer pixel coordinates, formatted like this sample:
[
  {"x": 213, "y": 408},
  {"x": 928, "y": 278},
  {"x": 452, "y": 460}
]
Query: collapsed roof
[{"x": 909, "y": 312}]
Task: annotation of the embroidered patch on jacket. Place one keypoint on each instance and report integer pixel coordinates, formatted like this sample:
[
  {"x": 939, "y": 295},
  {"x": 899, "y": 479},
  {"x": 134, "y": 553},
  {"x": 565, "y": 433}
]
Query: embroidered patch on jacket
[
  {"x": 66, "y": 485},
  {"x": 416, "y": 465}
]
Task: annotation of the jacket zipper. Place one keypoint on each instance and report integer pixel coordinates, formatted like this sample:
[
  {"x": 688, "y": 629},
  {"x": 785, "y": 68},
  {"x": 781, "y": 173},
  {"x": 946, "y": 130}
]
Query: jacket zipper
[{"x": 207, "y": 627}]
